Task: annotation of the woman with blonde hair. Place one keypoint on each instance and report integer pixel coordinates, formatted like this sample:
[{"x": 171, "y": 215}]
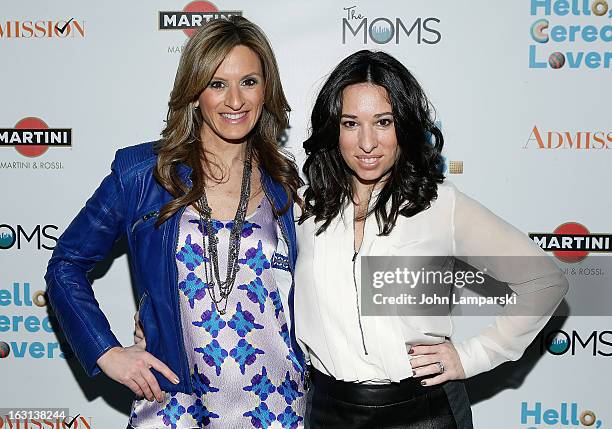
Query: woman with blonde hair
[{"x": 207, "y": 211}]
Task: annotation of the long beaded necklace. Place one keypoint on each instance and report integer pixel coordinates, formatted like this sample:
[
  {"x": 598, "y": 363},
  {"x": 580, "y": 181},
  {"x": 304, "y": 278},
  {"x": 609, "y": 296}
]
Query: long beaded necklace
[{"x": 211, "y": 270}]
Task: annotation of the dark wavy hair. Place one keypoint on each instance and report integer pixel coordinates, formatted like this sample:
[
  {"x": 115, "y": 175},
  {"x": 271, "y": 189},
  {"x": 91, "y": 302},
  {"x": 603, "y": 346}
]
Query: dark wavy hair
[{"x": 413, "y": 180}]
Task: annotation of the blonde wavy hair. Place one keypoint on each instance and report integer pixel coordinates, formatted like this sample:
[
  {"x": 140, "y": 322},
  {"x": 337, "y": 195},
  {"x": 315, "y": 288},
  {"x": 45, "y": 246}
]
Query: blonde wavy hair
[{"x": 180, "y": 141}]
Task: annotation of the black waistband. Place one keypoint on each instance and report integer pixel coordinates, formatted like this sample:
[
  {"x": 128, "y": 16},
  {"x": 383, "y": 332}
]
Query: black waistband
[{"x": 369, "y": 394}]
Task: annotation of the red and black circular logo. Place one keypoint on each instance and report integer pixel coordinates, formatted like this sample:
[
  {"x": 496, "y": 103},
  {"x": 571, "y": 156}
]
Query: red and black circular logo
[
  {"x": 569, "y": 229},
  {"x": 193, "y": 16},
  {"x": 33, "y": 150}
]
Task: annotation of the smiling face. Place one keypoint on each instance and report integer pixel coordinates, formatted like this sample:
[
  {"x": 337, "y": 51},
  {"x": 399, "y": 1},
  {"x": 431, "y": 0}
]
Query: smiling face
[
  {"x": 368, "y": 142},
  {"x": 232, "y": 102}
]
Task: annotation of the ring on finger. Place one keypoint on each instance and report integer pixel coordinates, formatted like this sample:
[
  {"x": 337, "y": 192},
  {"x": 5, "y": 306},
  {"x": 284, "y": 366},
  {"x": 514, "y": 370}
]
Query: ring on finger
[{"x": 440, "y": 367}]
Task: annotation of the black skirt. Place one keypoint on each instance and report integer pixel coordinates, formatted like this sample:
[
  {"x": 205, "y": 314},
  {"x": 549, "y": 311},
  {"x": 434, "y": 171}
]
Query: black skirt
[{"x": 405, "y": 405}]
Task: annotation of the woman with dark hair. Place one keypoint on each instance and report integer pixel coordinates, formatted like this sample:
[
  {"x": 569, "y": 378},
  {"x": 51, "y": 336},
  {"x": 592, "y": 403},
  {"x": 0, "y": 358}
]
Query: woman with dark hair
[
  {"x": 207, "y": 212},
  {"x": 376, "y": 188}
]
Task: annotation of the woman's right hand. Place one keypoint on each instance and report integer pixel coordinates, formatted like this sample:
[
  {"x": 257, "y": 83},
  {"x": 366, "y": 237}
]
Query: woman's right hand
[{"x": 131, "y": 366}]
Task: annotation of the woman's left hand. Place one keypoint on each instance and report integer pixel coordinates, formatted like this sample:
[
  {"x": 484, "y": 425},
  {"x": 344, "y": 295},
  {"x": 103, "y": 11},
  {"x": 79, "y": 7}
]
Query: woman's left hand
[{"x": 440, "y": 360}]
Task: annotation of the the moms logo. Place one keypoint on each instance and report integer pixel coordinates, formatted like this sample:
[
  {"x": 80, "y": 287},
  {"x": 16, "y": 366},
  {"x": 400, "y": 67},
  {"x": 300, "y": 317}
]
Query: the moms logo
[
  {"x": 382, "y": 30},
  {"x": 193, "y": 16},
  {"x": 40, "y": 29},
  {"x": 18, "y": 236},
  {"x": 558, "y": 342}
]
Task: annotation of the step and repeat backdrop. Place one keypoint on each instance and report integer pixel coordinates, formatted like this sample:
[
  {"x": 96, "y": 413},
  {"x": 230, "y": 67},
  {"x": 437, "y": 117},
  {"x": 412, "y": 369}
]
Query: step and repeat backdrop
[{"x": 522, "y": 92}]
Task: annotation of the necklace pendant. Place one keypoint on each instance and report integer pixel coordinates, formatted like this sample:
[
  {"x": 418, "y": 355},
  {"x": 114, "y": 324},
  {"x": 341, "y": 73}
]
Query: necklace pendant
[{"x": 222, "y": 312}]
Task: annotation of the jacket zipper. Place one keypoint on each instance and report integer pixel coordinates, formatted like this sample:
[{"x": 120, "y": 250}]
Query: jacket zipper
[
  {"x": 142, "y": 298},
  {"x": 355, "y": 254},
  {"x": 140, "y": 302},
  {"x": 144, "y": 219}
]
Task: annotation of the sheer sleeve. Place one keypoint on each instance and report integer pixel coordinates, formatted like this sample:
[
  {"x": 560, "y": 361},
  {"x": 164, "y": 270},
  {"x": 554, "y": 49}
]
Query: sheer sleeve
[{"x": 480, "y": 238}]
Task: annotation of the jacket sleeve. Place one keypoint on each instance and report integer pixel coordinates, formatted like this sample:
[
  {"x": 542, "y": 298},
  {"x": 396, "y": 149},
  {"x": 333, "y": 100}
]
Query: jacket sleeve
[
  {"x": 487, "y": 242},
  {"x": 87, "y": 240}
]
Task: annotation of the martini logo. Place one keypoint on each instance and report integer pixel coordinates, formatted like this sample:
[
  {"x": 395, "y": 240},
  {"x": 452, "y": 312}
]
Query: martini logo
[
  {"x": 558, "y": 342},
  {"x": 41, "y": 237},
  {"x": 572, "y": 242},
  {"x": 554, "y": 38},
  {"x": 195, "y": 15},
  {"x": 585, "y": 140},
  {"x": 43, "y": 29},
  {"x": 383, "y": 30},
  {"x": 32, "y": 137}
]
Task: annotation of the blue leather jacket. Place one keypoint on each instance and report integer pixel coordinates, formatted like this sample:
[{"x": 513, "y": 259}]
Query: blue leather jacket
[{"x": 127, "y": 203}]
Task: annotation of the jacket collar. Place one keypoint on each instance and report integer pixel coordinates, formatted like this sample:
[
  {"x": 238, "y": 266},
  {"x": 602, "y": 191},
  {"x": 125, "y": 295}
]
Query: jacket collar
[{"x": 184, "y": 172}]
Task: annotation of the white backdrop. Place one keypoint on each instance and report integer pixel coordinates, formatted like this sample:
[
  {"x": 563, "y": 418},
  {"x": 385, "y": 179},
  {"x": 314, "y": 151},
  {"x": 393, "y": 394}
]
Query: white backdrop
[{"x": 107, "y": 77}]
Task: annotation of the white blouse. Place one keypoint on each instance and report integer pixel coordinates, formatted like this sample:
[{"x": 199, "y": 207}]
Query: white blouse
[{"x": 326, "y": 314}]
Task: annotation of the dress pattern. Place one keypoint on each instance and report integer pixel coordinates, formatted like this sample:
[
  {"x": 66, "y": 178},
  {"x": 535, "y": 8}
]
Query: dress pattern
[{"x": 243, "y": 370}]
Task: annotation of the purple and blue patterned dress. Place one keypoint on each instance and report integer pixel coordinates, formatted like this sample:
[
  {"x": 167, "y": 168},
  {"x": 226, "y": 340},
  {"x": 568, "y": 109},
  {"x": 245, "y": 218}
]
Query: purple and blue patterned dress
[{"x": 244, "y": 372}]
